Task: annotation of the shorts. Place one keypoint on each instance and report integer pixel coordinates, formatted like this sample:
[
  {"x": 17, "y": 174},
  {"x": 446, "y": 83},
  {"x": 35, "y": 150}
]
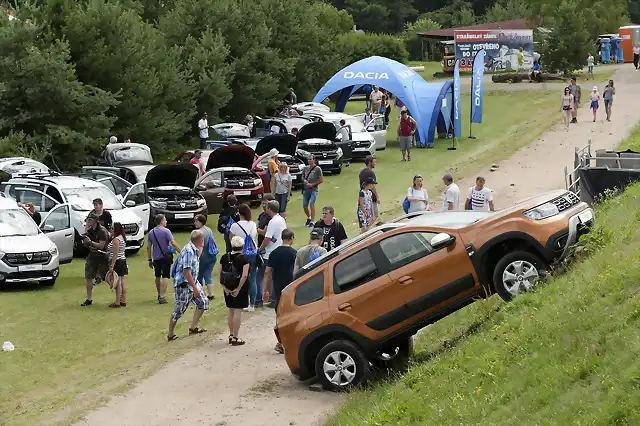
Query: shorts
[
  {"x": 96, "y": 267},
  {"x": 566, "y": 107},
  {"x": 282, "y": 201},
  {"x": 184, "y": 296},
  {"x": 608, "y": 102},
  {"x": 309, "y": 197},
  {"x": 594, "y": 105},
  {"x": 405, "y": 143},
  {"x": 121, "y": 267},
  {"x": 205, "y": 271},
  {"x": 162, "y": 267}
]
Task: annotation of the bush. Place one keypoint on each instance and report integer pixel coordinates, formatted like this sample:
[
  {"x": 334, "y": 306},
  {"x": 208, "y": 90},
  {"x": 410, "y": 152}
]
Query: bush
[{"x": 355, "y": 47}]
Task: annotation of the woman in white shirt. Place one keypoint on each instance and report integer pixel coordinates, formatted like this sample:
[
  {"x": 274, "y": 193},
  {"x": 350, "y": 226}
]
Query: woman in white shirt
[
  {"x": 480, "y": 198},
  {"x": 417, "y": 196},
  {"x": 245, "y": 226}
]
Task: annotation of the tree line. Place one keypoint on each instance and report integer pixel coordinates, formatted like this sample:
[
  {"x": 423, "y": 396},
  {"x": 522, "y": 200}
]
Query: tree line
[{"x": 75, "y": 72}]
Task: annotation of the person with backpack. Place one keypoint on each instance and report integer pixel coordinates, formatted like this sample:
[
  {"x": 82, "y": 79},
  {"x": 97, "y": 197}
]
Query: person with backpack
[
  {"x": 208, "y": 256},
  {"x": 272, "y": 240},
  {"x": 255, "y": 299},
  {"x": 248, "y": 231},
  {"x": 234, "y": 274},
  {"x": 417, "y": 196},
  {"x": 333, "y": 231},
  {"x": 311, "y": 251},
  {"x": 281, "y": 264},
  {"x": 228, "y": 216},
  {"x": 160, "y": 256},
  {"x": 186, "y": 286}
]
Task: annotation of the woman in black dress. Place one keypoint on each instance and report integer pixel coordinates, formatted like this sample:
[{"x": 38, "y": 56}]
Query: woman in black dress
[{"x": 236, "y": 289}]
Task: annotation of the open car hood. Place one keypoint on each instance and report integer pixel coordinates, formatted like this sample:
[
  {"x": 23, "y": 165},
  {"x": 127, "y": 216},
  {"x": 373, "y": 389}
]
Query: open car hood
[
  {"x": 128, "y": 153},
  {"x": 319, "y": 130},
  {"x": 284, "y": 143},
  {"x": 231, "y": 130},
  {"x": 231, "y": 156},
  {"x": 172, "y": 175}
]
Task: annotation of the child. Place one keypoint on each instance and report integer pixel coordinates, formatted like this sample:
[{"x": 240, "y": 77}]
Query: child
[
  {"x": 595, "y": 98},
  {"x": 365, "y": 205}
]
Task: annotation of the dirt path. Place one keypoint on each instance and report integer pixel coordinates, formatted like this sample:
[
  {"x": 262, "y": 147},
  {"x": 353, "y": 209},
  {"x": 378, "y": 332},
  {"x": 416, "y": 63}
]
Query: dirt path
[{"x": 251, "y": 385}]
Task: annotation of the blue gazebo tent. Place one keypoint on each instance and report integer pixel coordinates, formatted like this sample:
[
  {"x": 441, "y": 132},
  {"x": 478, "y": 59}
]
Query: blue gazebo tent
[{"x": 423, "y": 100}]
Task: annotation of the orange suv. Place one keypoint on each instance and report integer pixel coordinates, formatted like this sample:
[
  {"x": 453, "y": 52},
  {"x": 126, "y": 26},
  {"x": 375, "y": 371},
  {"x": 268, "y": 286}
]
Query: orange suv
[{"x": 361, "y": 303}]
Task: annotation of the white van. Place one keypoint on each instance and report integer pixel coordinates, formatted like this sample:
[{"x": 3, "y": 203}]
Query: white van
[{"x": 29, "y": 253}]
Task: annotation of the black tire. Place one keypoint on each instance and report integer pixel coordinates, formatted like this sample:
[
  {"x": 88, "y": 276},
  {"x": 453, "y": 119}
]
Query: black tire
[
  {"x": 338, "y": 171},
  {"x": 48, "y": 283},
  {"x": 507, "y": 262},
  {"x": 344, "y": 350},
  {"x": 399, "y": 356}
]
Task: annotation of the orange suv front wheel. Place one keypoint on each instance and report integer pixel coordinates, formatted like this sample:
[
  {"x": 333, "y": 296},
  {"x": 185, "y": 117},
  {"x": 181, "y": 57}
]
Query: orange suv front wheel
[
  {"x": 516, "y": 273},
  {"x": 341, "y": 365}
]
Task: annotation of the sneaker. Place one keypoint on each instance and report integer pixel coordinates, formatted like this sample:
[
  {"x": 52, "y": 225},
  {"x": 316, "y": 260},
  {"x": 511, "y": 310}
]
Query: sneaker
[
  {"x": 97, "y": 281},
  {"x": 162, "y": 300},
  {"x": 279, "y": 348},
  {"x": 259, "y": 305},
  {"x": 311, "y": 224},
  {"x": 308, "y": 222},
  {"x": 249, "y": 309},
  {"x": 211, "y": 297},
  {"x": 87, "y": 303}
]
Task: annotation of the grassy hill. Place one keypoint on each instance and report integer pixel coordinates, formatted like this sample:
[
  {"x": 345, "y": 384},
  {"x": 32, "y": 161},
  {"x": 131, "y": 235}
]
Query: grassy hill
[{"x": 569, "y": 353}]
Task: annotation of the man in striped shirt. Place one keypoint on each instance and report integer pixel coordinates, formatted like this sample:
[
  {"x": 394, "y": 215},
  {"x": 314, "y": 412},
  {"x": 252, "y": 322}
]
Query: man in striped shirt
[
  {"x": 187, "y": 288},
  {"x": 480, "y": 198}
]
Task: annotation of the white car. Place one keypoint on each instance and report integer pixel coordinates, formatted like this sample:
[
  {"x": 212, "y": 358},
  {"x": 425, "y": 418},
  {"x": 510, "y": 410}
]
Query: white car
[
  {"x": 374, "y": 134},
  {"x": 11, "y": 165},
  {"x": 29, "y": 253},
  {"x": 48, "y": 190}
]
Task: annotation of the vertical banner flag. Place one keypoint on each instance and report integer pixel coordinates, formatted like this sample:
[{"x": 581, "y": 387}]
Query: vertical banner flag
[
  {"x": 477, "y": 87},
  {"x": 457, "y": 115}
]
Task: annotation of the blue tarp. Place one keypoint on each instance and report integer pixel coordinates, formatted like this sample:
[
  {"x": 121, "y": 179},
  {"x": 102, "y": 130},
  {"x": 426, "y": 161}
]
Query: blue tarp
[{"x": 422, "y": 99}]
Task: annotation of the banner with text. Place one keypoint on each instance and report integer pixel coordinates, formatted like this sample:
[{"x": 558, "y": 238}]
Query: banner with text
[
  {"x": 477, "y": 87},
  {"x": 501, "y": 46}
]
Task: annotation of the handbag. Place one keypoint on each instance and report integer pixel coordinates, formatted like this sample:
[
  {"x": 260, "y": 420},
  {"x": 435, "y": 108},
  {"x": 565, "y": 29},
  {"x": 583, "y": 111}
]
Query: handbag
[
  {"x": 406, "y": 203},
  {"x": 307, "y": 177}
]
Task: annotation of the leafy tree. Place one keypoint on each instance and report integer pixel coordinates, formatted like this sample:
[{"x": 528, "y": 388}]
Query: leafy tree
[
  {"x": 44, "y": 110},
  {"x": 505, "y": 10},
  {"x": 412, "y": 41},
  {"x": 381, "y": 16},
  {"x": 359, "y": 46},
  {"x": 568, "y": 41},
  {"x": 458, "y": 14},
  {"x": 634, "y": 10}
]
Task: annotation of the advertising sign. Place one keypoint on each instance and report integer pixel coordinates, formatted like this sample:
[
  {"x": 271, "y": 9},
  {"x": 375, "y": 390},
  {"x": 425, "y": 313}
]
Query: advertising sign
[
  {"x": 477, "y": 87},
  {"x": 501, "y": 47},
  {"x": 457, "y": 114}
]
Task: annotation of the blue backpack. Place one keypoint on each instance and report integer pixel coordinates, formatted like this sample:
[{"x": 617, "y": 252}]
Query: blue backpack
[
  {"x": 250, "y": 250},
  {"x": 314, "y": 255},
  {"x": 406, "y": 204},
  {"x": 212, "y": 248}
]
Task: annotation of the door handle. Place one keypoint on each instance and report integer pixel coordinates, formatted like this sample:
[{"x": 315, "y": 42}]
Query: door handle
[
  {"x": 344, "y": 307},
  {"x": 145, "y": 210},
  {"x": 405, "y": 280},
  {"x": 68, "y": 235}
]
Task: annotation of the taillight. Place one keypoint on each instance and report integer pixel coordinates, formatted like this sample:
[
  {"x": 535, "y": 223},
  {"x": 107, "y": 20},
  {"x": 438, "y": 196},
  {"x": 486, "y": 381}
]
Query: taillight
[{"x": 275, "y": 330}]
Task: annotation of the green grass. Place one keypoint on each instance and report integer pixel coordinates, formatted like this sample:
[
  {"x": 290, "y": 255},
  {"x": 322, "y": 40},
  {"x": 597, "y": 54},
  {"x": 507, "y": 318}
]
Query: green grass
[
  {"x": 564, "y": 354},
  {"x": 632, "y": 142},
  {"x": 69, "y": 359}
]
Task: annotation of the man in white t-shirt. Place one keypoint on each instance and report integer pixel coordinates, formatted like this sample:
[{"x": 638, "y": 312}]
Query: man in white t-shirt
[
  {"x": 451, "y": 200},
  {"x": 203, "y": 127},
  {"x": 480, "y": 198},
  {"x": 272, "y": 240}
]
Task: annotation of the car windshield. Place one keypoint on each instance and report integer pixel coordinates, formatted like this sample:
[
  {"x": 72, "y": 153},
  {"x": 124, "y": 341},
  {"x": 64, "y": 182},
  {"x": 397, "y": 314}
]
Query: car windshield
[
  {"x": 82, "y": 198},
  {"x": 132, "y": 153},
  {"x": 16, "y": 223}
]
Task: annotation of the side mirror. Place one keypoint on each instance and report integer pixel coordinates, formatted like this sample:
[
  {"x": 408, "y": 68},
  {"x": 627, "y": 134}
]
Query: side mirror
[
  {"x": 48, "y": 228},
  {"x": 130, "y": 203},
  {"x": 442, "y": 240},
  {"x": 201, "y": 188},
  {"x": 119, "y": 197}
]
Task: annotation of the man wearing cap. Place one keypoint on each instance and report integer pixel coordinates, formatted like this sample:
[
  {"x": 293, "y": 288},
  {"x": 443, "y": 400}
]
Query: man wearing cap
[
  {"x": 97, "y": 262},
  {"x": 203, "y": 128},
  {"x": 311, "y": 251},
  {"x": 104, "y": 217},
  {"x": 197, "y": 161},
  {"x": 272, "y": 169},
  {"x": 577, "y": 94},
  {"x": 406, "y": 130}
]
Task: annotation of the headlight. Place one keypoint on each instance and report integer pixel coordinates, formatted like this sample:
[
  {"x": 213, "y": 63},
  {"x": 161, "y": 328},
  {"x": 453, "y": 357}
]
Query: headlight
[
  {"x": 158, "y": 204},
  {"x": 1, "y": 254},
  {"x": 257, "y": 182},
  {"x": 139, "y": 224},
  {"x": 201, "y": 202},
  {"x": 339, "y": 152},
  {"x": 543, "y": 211},
  {"x": 53, "y": 250}
]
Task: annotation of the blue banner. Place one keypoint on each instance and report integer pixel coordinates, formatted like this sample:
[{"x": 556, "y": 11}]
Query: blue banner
[
  {"x": 457, "y": 115},
  {"x": 477, "y": 87}
]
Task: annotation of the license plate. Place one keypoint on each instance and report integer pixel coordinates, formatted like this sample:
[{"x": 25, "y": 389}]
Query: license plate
[
  {"x": 361, "y": 149},
  {"x": 325, "y": 162},
  {"x": 241, "y": 192},
  {"x": 585, "y": 216},
  {"x": 184, "y": 215},
  {"x": 294, "y": 177},
  {"x": 28, "y": 268}
]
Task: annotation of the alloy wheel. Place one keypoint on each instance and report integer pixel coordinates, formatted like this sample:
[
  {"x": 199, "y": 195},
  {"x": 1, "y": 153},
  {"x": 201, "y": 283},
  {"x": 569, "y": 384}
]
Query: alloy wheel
[
  {"x": 519, "y": 276},
  {"x": 339, "y": 368}
]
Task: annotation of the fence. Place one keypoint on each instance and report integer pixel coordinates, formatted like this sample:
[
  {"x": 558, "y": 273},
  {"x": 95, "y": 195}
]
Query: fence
[{"x": 582, "y": 158}]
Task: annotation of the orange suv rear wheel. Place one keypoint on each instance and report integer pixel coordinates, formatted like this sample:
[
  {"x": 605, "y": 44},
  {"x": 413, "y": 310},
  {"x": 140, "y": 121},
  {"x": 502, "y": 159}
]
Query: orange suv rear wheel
[{"x": 341, "y": 365}]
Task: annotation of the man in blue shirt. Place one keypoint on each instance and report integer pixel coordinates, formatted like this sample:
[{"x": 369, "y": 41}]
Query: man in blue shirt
[{"x": 187, "y": 288}]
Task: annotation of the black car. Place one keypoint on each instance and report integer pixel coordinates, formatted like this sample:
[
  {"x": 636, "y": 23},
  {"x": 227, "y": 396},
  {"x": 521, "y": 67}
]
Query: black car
[
  {"x": 287, "y": 146},
  {"x": 319, "y": 139}
]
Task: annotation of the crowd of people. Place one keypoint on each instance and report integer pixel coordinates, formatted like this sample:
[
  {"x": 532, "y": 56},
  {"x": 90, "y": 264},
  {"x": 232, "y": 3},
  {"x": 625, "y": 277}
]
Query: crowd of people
[{"x": 572, "y": 97}]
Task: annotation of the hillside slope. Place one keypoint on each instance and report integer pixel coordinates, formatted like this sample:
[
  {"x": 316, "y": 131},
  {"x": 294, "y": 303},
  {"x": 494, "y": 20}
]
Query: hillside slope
[{"x": 565, "y": 354}]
